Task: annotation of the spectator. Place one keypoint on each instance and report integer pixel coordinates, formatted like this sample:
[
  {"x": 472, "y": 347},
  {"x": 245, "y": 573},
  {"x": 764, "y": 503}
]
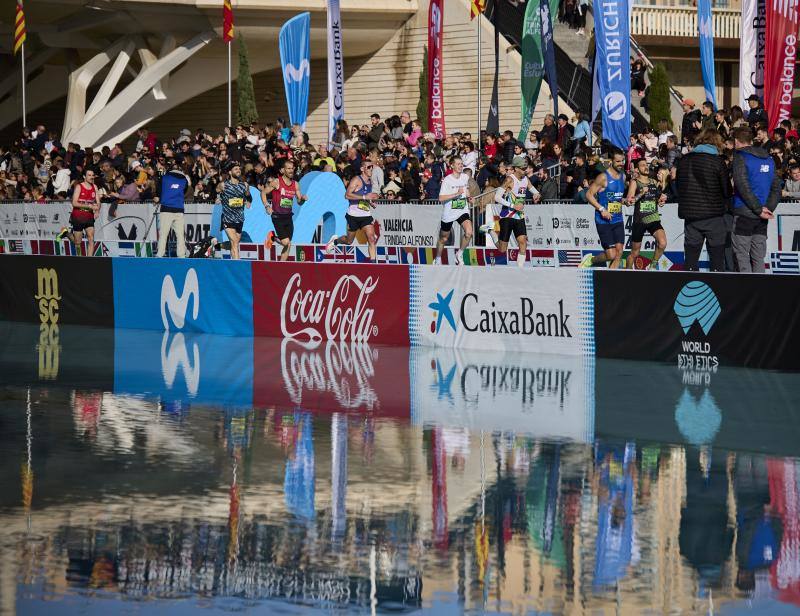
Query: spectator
[
  {"x": 637, "y": 76},
  {"x": 549, "y": 130},
  {"x": 791, "y": 189},
  {"x": 689, "y": 124},
  {"x": 757, "y": 115},
  {"x": 376, "y": 132}
]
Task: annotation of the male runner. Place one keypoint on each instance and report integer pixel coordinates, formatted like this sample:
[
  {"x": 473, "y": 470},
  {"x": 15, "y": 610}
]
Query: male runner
[
  {"x": 605, "y": 195},
  {"x": 233, "y": 196},
  {"x": 455, "y": 196},
  {"x": 282, "y": 191},
  {"x": 85, "y": 206},
  {"x": 645, "y": 192},
  {"x": 512, "y": 213},
  {"x": 359, "y": 215}
]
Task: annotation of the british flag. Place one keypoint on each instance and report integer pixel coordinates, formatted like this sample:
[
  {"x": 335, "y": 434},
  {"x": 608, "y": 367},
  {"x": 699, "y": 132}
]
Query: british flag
[{"x": 345, "y": 254}]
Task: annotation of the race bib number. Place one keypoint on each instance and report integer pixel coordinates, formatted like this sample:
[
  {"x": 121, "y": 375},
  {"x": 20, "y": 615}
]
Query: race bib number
[
  {"x": 363, "y": 206},
  {"x": 236, "y": 202},
  {"x": 615, "y": 207},
  {"x": 458, "y": 204},
  {"x": 648, "y": 207},
  {"x": 286, "y": 203}
]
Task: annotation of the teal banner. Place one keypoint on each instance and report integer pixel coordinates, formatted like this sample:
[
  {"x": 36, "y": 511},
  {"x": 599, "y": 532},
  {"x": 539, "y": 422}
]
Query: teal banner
[{"x": 532, "y": 65}]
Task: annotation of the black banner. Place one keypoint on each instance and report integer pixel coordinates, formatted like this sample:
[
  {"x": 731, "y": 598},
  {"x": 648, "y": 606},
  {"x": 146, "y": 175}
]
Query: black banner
[
  {"x": 698, "y": 320},
  {"x": 493, "y": 121},
  {"x": 57, "y": 290}
]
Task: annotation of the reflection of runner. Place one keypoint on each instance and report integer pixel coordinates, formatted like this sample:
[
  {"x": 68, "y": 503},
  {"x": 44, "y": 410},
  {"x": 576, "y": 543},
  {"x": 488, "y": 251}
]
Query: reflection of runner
[
  {"x": 282, "y": 192},
  {"x": 455, "y": 196},
  {"x": 359, "y": 214},
  {"x": 605, "y": 195},
  {"x": 233, "y": 197},
  {"x": 85, "y": 205},
  {"x": 647, "y": 196}
]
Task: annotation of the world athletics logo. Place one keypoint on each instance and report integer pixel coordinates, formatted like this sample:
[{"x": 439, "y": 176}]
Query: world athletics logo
[{"x": 697, "y": 302}]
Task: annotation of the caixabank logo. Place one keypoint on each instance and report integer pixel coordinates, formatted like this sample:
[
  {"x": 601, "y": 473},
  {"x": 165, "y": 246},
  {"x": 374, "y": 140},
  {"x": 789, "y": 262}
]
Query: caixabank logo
[{"x": 697, "y": 309}]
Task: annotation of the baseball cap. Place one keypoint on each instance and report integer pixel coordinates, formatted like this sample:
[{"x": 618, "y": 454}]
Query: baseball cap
[
  {"x": 687, "y": 101},
  {"x": 519, "y": 161}
]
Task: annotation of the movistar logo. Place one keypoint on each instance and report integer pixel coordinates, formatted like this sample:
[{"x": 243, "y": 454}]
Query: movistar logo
[
  {"x": 292, "y": 73},
  {"x": 442, "y": 310},
  {"x": 697, "y": 302},
  {"x": 178, "y": 305}
]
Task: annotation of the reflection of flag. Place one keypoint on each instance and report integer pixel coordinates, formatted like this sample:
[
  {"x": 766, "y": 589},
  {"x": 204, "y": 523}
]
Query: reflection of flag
[
  {"x": 569, "y": 258},
  {"x": 476, "y": 8},
  {"x": 784, "y": 262},
  {"x": 227, "y": 21},
  {"x": 19, "y": 28}
]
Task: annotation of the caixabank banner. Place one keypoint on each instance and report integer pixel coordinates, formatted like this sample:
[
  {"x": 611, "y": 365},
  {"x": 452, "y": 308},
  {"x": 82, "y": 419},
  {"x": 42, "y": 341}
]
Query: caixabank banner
[
  {"x": 539, "y": 311},
  {"x": 698, "y": 320}
]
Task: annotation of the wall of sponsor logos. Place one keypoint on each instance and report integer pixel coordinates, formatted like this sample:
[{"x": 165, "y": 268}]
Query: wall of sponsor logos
[{"x": 699, "y": 320}]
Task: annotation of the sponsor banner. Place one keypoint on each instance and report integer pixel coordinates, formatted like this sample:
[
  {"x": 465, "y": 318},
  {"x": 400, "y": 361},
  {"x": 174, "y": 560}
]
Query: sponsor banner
[
  {"x": 368, "y": 303},
  {"x": 779, "y": 66},
  {"x": 200, "y": 295},
  {"x": 550, "y": 396},
  {"x": 184, "y": 366},
  {"x": 331, "y": 376},
  {"x": 699, "y": 321},
  {"x": 293, "y": 44},
  {"x": 613, "y": 69},
  {"x": 50, "y": 290},
  {"x": 476, "y": 308},
  {"x": 532, "y": 65},
  {"x": 335, "y": 68},
  {"x": 436, "y": 69},
  {"x": 751, "y": 50},
  {"x": 548, "y": 50},
  {"x": 33, "y": 221},
  {"x": 132, "y": 222},
  {"x": 406, "y": 225}
]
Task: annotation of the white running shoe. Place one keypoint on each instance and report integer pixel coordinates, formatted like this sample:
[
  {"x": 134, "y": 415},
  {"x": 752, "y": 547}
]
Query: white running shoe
[
  {"x": 331, "y": 243},
  {"x": 485, "y": 228},
  {"x": 586, "y": 262}
]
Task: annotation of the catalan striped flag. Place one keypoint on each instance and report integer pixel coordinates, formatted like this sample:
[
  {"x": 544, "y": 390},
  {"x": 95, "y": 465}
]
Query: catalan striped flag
[
  {"x": 227, "y": 21},
  {"x": 19, "y": 28},
  {"x": 476, "y": 8}
]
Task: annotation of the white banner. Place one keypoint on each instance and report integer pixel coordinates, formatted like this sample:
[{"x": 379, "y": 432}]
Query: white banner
[
  {"x": 751, "y": 51},
  {"x": 335, "y": 68},
  {"x": 405, "y": 225},
  {"x": 33, "y": 221},
  {"x": 484, "y": 308}
]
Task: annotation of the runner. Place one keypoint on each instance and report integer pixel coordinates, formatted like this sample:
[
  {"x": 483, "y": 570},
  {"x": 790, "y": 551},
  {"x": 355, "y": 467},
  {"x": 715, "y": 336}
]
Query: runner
[
  {"x": 359, "y": 214},
  {"x": 85, "y": 206},
  {"x": 455, "y": 196},
  {"x": 605, "y": 195},
  {"x": 646, "y": 194},
  {"x": 233, "y": 196},
  {"x": 282, "y": 190},
  {"x": 512, "y": 215}
]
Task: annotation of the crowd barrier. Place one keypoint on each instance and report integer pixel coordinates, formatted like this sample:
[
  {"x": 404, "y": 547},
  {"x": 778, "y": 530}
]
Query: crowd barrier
[
  {"x": 559, "y": 234},
  {"x": 698, "y": 320}
]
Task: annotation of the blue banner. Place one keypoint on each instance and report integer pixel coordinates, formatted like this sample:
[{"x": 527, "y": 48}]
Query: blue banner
[
  {"x": 612, "y": 37},
  {"x": 549, "y": 53},
  {"x": 705, "y": 29},
  {"x": 295, "y": 64}
]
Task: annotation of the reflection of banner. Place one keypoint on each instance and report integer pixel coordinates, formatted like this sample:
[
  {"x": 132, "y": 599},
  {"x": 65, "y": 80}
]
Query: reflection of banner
[
  {"x": 436, "y": 69},
  {"x": 613, "y": 69},
  {"x": 751, "y": 53},
  {"x": 478, "y": 308},
  {"x": 335, "y": 68},
  {"x": 705, "y": 27},
  {"x": 532, "y": 65},
  {"x": 780, "y": 57},
  {"x": 293, "y": 42}
]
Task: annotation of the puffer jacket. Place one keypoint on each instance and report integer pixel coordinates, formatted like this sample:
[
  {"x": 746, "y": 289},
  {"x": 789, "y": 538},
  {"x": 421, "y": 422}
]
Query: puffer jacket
[{"x": 704, "y": 186}]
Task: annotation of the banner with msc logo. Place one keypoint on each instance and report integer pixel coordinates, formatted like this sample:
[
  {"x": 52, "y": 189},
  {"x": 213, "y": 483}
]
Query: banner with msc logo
[
  {"x": 612, "y": 36},
  {"x": 293, "y": 43},
  {"x": 200, "y": 295},
  {"x": 699, "y": 321},
  {"x": 54, "y": 290},
  {"x": 544, "y": 311}
]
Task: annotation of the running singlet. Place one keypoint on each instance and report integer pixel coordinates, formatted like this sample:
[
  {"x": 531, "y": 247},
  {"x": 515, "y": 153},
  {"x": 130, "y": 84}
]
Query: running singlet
[
  {"x": 87, "y": 197},
  {"x": 458, "y": 206},
  {"x": 361, "y": 207},
  {"x": 283, "y": 197},
  {"x": 646, "y": 209},
  {"x": 233, "y": 198},
  {"x": 611, "y": 199},
  {"x": 516, "y": 196}
]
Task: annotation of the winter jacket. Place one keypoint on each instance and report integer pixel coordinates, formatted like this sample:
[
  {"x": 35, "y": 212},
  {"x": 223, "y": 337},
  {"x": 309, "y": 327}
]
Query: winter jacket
[
  {"x": 688, "y": 131},
  {"x": 703, "y": 185},
  {"x": 755, "y": 183},
  {"x": 757, "y": 116}
]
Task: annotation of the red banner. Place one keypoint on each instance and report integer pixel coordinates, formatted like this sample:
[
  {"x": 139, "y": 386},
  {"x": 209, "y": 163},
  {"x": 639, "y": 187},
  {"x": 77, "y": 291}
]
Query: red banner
[
  {"x": 312, "y": 303},
  {"x": 780, "y": 57},
  {"x": 435, "y": 69}
]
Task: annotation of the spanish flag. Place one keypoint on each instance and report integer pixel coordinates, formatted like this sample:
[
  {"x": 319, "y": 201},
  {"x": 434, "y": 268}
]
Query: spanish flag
[
  {"x": 227, "y": 21},
  {"x": 19, "y": 28},
  {"x": 476, "y": 8}
]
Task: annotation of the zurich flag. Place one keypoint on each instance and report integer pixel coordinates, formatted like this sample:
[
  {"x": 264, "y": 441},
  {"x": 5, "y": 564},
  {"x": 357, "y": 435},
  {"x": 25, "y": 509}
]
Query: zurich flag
[
  {"x": 295, "y": 63},
  {"x": 706, "y": 31},
  {"x": 612, "y": 36}
]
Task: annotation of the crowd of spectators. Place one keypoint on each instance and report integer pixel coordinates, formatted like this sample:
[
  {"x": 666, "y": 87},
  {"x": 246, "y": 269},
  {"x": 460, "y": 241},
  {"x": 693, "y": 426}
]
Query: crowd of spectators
[{"x": 408, "y": 163}]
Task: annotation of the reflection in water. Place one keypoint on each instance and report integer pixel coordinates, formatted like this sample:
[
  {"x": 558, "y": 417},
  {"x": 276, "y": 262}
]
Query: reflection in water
[{"x": 227, "y": 472}]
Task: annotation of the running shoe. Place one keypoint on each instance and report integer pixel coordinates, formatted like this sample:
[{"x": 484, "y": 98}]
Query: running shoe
[
  {"x": 331, "y": 243},
  {"x": 63, "y": 233},
  {"x": 586, "y": 262},
  {"x": 485, "y": 228},
  {"x": 270, "y": 240}
]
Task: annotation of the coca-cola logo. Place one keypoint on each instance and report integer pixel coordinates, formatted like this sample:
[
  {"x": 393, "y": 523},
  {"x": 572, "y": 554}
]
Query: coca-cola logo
[{"x": 338, "y": 314}]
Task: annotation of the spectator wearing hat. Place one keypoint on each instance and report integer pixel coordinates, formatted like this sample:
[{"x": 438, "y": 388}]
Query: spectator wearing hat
[
  {"x": 565, "y": 131},
  {"x": 691, "y": 116},
  {"x": 757, "y": 114}
]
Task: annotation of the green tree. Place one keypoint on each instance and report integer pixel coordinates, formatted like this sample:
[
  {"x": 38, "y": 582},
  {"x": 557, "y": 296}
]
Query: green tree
[
  {"x": 246, "y": 112},
  {"x": 422, "y": 105},
  {"x": 658, "y": 97}
]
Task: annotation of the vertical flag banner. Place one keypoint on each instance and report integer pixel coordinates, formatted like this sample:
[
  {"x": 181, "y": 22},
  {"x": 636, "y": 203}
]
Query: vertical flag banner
[
  {"x": 476, "y": 7},
  {"x": 549, "y": 53},
  {"x": 780, "y": 58},
  {"x": 335, "y": 68},
  {"x": 532, "y": 65},
  {"x": 493, "y": 121},
  {"x": 612, "y": 37},
  {"x": 751, "y": 54},
  {"x": 435, "y": 69},
  {"x": 705, "y": 28},
  {"x": 293, "y": 42},
  {"x": 227, "y": 21},
  {"x": 20, "y": 33}
]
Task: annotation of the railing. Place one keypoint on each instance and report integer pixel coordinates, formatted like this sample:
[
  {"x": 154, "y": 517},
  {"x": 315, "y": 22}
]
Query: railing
[{"x": 677, "y": 21}]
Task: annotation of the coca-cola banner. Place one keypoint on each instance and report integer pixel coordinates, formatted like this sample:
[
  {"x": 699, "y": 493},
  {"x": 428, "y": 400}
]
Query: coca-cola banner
[
  {"x": 780, "y": 59},
  {"x": 436, "y": 69},
  {"x": 311, "y": 304},
  {"x": 489, "y": 308}
]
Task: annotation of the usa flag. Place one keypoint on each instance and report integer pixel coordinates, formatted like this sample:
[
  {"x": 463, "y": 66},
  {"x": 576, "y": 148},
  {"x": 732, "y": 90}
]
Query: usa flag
[{"x": 569, "y": 258}]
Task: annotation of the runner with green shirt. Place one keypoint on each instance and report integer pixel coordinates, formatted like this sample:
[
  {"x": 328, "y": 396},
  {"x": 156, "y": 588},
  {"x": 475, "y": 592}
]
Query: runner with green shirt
[{"x": 646, "y": 195}]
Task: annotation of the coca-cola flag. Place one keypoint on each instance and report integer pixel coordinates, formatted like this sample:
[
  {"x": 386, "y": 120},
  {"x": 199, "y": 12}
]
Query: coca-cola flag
[
  {"x": 780, "y": 59},
  {"x": 435, "y": 69},
  {"x": 312, "y": 303}
]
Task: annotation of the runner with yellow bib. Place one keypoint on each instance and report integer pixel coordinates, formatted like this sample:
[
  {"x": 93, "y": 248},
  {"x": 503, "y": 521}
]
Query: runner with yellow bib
[
  {"x": 234, "y": 196},
  {"x": 606, "y": 195}
]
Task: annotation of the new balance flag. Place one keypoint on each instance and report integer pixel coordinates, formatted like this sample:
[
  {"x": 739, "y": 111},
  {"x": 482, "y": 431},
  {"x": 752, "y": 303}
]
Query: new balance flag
[
  {"x": 227, "y": 21},
  {"x": 19, "y": 28},
  {"x": 476, "y": 8}
]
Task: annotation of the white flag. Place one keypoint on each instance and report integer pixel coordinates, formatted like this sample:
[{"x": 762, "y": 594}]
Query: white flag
[
  {"x": 751, "y": 58},
  {"x": 335, "y": 68}
]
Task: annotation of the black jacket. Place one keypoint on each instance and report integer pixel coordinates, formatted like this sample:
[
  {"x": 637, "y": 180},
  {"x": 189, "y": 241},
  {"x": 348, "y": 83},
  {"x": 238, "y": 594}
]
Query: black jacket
[
  {"x": 704, "y": 187},
  {"x": 756, "y": 116},
  {"x": 688, "y": 131}
]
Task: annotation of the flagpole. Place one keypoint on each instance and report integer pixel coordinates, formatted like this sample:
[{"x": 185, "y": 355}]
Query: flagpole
[
  {"x": 230, "y": 104},
  {"x": 24, "y": 101}
]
